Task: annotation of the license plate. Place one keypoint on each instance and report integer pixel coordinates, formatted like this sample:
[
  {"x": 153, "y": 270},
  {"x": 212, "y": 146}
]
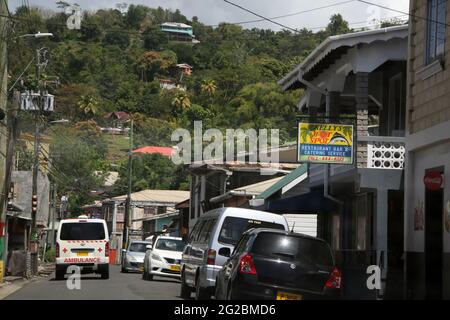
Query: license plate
[
  {"x": 82, "y": 254},
  {"x": 175, "y": 267},
  {"x": 288, "y": 296}
]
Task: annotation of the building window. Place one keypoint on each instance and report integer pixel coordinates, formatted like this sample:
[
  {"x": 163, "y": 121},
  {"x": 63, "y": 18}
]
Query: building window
[{"x": 435, "y": 30}]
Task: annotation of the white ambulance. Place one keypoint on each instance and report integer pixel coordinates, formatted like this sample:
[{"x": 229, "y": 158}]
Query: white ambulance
[{"x": 82, "y": 242}]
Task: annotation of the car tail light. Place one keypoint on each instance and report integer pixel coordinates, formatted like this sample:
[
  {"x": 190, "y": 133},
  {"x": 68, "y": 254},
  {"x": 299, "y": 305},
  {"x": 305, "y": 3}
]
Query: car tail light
[
  {"x": 246, "y": 264},
  {"x": 211, "y": 257},
  {"x": 334, "y": 282},
  {"x": 57, "y": 250},
  {"x": 107, "y": 249}
]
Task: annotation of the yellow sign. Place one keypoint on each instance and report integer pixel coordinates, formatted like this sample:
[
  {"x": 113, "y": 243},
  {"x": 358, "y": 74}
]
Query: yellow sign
[{"x": 325, "y": 143}]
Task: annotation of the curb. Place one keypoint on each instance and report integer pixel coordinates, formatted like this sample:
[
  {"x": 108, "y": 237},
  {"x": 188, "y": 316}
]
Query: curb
[{"x": 9, "y": 287}]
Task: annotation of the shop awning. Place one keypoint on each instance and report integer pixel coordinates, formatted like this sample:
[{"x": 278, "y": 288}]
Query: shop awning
[
  {"x": 311, "y": 202},
  {"x": 286, "y": 183}
]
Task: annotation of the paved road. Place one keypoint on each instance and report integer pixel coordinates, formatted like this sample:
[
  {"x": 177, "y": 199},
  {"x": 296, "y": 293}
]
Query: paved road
[{"x": 119, "y": 286}]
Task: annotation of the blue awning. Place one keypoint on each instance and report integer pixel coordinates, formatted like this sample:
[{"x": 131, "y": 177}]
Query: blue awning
[{"x": 312, "y": 202}]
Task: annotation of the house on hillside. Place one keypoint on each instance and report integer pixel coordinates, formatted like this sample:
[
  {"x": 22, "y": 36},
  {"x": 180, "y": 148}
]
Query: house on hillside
[
  {"x": 167, "y": 84},
  {"x": 178, "y": 32},
  {"x": 356, "y": 79},
  {"x": 185, "y": 68},
  {"x": 427, "y": 172},
  {"x": 165, "y": 151},
  {"x": 116, "y": 122}
]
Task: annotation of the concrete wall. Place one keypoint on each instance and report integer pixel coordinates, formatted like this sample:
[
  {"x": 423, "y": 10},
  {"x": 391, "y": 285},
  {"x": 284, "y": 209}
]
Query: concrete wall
[
  {"x": 427, "y": 144},
  {"x": 22, "y": 181},
  {"x": 428, "y": 99}
]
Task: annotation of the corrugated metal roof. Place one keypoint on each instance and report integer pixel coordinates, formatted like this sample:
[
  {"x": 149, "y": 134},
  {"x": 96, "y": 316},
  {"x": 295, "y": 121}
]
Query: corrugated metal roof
[
  {"x": 256, "y": 188},
  {"x": 168, "y": 196}
]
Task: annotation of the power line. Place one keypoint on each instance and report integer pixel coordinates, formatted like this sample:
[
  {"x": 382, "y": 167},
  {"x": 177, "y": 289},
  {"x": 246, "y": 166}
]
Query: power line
[
  {"x": 289, "y": 14},
  {"x": 261, "y": 16},
  {"x": 402, "y": 12}
]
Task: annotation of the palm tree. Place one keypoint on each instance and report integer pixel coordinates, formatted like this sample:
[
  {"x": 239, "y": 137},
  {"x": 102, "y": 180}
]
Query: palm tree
[
  {"x": 88, "y": 104},
  {"x": 182, "y": 100},
  {"x": 209, "y": 87}
]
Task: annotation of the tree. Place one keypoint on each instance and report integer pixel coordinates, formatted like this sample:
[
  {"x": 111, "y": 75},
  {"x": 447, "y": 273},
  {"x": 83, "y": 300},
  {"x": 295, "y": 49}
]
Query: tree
[
  {"x": 337, "y": 25},
  {"x": 136, "y": 15},
  {"x": 150, "y": 171},
  {"x": 117, "y": 37},
  {"x": 74, "y": 162},
  {"x": 154, "y": 39},
  {"x": 181, "y": 100},
  {"x": 88, "y": 105},
  {"x": 209, "y": 87}
]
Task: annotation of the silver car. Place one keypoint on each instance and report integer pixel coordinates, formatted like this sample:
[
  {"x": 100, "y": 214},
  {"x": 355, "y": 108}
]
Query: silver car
[{"x": 133, "y": 257}]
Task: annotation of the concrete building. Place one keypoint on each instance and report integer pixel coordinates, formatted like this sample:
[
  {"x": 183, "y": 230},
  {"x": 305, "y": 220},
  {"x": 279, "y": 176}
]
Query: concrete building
[
  {"x": 359, "y": 79},
  {"x": 151, "y": 210},
  {"x": 178, "y": 32},
  {"x": 427, "y": 178}
]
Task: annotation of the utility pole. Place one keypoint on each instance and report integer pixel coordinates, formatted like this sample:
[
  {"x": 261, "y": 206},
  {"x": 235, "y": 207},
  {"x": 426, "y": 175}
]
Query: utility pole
[
  {"x": 53, "y": 214},
  {"x": 33, "y": 239},
  {"x": 3, "y": 132},
  {"x": 126, "y": 223}
]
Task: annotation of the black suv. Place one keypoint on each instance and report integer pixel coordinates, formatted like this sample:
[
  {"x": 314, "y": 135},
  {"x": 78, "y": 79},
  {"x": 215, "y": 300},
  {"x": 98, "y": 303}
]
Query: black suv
[{"x": 281, "y": 265}]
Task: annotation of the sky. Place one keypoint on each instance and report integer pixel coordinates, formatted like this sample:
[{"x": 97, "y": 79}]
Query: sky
[{"x": 212, "y": 12}]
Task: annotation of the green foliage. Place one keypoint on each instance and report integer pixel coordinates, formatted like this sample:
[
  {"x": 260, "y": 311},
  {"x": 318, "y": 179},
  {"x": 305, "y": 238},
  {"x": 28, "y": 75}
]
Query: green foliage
[
  {"x": 77, "y": 152},
  {"x": 50, "y": 255},
  {"x": 151, "y": 171},
  {"x": 115, "y": 63},
  {"x": 337, "y": 25}
]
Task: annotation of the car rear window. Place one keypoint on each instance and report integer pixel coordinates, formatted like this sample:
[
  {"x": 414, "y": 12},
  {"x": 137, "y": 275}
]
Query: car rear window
[
  {"x": 170, "y": 245},
  {"x": 82, "y": 231},
  {"x": 233, "y": 228},
  {"x": 293, "y": 247},
  {"x": 138, "y": 247}
]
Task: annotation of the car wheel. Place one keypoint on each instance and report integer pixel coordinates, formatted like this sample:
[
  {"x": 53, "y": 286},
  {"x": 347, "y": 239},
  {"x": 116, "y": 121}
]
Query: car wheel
[
  {"x": 185, "y": 291},
  {"x": 105, "y": 273},
  {"x": 201, "y": 293},
  {"x": 59, "y": 274}
]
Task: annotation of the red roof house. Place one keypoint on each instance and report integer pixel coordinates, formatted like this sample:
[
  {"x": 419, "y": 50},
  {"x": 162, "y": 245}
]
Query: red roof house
[{"x": 165, "y": 151}]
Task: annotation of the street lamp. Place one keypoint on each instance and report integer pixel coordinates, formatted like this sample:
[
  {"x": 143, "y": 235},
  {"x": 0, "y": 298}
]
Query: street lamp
[
  {"x": 60, "y": 121},
  {"x": 36, "y": 35}
]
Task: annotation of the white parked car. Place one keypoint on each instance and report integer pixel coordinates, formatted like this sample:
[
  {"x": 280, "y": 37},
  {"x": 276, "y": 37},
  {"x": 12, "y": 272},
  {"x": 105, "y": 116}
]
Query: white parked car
[
  {"x": 163, "y": 258},
  {"x": 133, "y": 257}
]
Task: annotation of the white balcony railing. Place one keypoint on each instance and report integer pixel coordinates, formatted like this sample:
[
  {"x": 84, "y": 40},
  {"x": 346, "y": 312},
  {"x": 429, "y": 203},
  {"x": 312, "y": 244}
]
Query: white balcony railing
[{"x": 385, "y": 153}]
